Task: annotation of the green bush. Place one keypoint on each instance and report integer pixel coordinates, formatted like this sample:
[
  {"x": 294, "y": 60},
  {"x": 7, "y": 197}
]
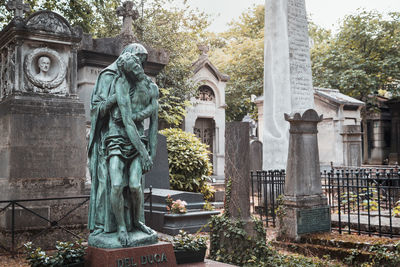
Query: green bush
[{"x": 189, "y": 163}]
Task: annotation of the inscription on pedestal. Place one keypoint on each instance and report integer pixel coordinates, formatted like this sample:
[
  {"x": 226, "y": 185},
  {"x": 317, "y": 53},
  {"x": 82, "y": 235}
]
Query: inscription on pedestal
[{"x": 313, "y": 220}]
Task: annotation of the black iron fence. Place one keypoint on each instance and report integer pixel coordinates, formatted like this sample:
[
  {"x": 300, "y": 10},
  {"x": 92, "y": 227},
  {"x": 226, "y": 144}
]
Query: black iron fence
[
  {"x": 29, "y": 206},
  {"x": 361, "y": 200},
  {"x": 364, "y": 200},
  {"x": 11, "y": 224},
  {"x": 266, "y": 187}
]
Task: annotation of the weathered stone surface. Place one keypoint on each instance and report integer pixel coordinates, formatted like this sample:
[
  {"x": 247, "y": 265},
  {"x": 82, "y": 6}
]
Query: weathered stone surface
[
  {"x": 302, "y": 172},
  {"x": 158, "y": 176},
  {"x": 161, "y": 254},
  {"x": 45, "y": 137},
  {"x": 256, "y": 155},
  {"x": 303, "y": 190},
  {"x": 237, "y": 168},
  {"x": 287, "y": 75}
]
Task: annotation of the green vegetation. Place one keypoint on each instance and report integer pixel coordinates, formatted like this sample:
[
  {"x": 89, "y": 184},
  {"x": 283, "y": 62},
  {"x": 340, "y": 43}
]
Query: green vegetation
[
  {"x": 66, "y": 253},
  {"x": 239, "y": 52},
  {"x": 189, "y": 163},
  {"x": 362, "y": 58},
  {"x": 188, "y": 242}
]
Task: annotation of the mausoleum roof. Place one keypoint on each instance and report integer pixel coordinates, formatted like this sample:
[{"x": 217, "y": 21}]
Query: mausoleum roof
[
  {"x": 204, "y": 62},
  {"x": 336, "y": 96}
]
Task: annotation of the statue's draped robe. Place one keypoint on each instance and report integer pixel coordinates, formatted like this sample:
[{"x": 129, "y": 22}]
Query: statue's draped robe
[{"x": 100, "y": 211}]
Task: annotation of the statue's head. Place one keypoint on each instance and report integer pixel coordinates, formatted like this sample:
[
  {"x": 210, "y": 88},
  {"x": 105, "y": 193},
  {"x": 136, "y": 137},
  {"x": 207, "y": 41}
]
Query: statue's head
[
  {"x": 138, "y": 50},
  {"x": 130, "y": 64},
  {"x": 44, "y": 64}
]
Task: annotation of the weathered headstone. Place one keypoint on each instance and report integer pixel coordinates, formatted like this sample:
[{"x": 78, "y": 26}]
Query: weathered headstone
[
  {"x": 256, "y": 155},
  {"x": 305, "y": 206},
  {"x": 237, "y": 170},
  {"x": 158, "y": 176},
  {"x": 287, "y": 75}
]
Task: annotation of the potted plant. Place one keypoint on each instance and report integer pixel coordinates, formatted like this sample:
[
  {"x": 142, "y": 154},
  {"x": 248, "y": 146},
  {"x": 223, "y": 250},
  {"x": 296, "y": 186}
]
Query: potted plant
[
  {"x": 68, "y": 254},
  {"x": 189, "y": 248}
]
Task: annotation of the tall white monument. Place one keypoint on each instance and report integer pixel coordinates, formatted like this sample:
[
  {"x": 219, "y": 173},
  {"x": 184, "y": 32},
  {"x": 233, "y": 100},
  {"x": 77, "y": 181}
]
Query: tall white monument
[{"x": 287, "y": 75}]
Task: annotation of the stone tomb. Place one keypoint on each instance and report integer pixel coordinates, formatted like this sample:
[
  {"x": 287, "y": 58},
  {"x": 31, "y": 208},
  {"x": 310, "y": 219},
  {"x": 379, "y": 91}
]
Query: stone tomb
[
  {"x": 161, "y": 220},
  {"x": 42, "y": 137}
]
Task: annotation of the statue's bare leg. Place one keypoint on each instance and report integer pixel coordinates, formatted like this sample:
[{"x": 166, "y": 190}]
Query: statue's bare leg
[
  {"x": 135, "y": 185},
  {"x": 116, "y": 170}
]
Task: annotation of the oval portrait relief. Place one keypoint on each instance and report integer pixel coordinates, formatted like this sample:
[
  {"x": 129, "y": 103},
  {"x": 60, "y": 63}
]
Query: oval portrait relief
[{"x": 44, "y": 68}]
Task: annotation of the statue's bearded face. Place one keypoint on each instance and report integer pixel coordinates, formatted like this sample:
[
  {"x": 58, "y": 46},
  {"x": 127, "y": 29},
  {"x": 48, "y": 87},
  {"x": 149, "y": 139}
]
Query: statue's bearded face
[{"x": 131, "y": 65}]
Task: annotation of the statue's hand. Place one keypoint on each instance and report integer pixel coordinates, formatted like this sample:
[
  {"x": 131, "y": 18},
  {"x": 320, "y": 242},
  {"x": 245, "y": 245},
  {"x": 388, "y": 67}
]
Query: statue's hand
[{"x": 146, "y": 161}]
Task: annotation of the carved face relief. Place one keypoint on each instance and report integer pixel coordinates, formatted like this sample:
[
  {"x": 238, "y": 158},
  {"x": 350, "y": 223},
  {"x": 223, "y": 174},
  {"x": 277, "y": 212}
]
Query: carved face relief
[
  {"x": 45, "y": 69},
  {"x": 44, "y": 66}
]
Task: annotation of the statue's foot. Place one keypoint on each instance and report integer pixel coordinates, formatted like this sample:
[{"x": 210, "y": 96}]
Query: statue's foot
[
  {"x": 140, "y": 226},
  {"x": 123, "y": 237},
  {"x": 97, "y": 231}
]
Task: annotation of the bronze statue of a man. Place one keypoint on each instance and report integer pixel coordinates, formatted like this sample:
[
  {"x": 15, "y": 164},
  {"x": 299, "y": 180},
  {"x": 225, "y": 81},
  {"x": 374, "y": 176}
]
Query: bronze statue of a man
[{"x": 119, "y": 151}]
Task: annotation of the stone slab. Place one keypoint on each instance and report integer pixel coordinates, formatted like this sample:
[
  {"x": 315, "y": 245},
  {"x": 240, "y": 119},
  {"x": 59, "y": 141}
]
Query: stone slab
[
  {"x": 157, "y": 255},
  {"x": 313, "y": 220},
  {"x": 237, "y": 168},
  {"x": 158, "y": 176},
  {"x": 45, "y": 137}
]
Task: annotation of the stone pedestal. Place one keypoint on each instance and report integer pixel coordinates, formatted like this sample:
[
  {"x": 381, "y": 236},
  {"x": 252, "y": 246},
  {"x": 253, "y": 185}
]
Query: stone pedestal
[
  {"x": 305, "y": 207},
  {"x": 158, "y": 255}
]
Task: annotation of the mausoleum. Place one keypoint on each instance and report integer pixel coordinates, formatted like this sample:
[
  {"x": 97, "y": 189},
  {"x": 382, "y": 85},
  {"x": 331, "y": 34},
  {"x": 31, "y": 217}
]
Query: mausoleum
[
  {"x": 206, "y": 117},
  {"x": 339, "y": 133}
]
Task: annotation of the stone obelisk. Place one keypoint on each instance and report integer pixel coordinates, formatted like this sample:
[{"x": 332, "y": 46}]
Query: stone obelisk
[{"x": 287, "y": 75}]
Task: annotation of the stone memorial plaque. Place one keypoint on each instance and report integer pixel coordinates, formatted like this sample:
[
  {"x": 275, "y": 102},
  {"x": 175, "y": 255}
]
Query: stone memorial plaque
[{"x": 313, "y": 220}]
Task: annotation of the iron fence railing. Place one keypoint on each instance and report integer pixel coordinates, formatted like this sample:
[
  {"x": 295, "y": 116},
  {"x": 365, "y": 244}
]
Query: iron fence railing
[
  {"x": 266, "y": 187},
  {"x": 362, "y": 200},
  {"x": 22, "y": 203},
  {"x": 27, "y": 205}
]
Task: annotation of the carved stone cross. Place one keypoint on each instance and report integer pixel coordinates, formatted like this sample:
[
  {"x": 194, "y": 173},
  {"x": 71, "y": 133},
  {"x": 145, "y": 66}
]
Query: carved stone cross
[
  {"x": 203, "y": 49},
  {"x": 18, "y": 7},
  {"x": 129, "y": 13}
]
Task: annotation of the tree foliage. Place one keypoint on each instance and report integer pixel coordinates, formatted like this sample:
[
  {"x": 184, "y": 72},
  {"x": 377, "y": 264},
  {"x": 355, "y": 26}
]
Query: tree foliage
[
  {"x": 239, "y": 53},
  {"x": 362, "y": 57}
]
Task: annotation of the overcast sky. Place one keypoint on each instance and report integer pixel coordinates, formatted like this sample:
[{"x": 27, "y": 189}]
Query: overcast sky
[{"x": 325, "y": 13}]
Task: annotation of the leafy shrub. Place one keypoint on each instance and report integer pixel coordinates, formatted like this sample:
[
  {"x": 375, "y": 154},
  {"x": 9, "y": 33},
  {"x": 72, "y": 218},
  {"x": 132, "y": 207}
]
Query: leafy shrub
[
  {"x": 189, "y": 163},
  {"x": 67, "y": 253},
  {"x": 188, "y": 242}
]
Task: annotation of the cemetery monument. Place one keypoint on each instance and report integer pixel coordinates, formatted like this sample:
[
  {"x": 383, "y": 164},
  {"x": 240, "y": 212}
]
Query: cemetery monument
[
  {"x": 119, "y": 152},
  {"x": 288, "y": 73}
]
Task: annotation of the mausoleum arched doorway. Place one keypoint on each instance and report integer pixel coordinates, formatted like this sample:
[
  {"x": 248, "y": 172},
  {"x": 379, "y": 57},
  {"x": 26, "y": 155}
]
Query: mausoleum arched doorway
[{"x": 204, "y": 129}]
